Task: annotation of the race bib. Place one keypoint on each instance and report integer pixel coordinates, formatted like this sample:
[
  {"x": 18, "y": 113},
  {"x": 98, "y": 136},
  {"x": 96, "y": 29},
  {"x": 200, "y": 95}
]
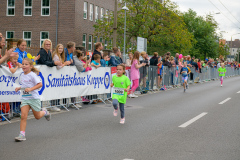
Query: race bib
[
  {"x": 25, "y": 94},
  {"x": 118, "y": 91},
  {"x": 222, "y": 72}
]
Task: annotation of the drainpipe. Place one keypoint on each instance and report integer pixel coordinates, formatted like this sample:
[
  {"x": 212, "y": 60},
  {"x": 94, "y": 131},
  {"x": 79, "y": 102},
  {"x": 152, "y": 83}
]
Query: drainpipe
[{"x": 57, "y": 25}]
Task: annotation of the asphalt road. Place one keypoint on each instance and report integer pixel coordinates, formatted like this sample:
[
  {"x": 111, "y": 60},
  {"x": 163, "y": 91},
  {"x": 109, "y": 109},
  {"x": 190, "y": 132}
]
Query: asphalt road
[{"x": 169, "y": 125}]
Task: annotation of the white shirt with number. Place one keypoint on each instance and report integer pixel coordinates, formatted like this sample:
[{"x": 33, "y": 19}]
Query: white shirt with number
[{"x": 28, "y": 81}]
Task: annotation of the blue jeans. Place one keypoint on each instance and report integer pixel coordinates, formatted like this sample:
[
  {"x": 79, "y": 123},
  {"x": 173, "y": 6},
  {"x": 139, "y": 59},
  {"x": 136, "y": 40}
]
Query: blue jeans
[{"x": 121, "y": 106}]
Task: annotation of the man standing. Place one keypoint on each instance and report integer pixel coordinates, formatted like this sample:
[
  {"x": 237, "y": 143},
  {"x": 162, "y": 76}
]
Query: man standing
[
  {"x": 98, "y": 47},
  {"x": 176, "y": 58},
  {"x": 116, "y": 59}
]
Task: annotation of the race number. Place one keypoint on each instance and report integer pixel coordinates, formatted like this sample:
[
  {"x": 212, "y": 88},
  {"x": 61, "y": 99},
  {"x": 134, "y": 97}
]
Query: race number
[
  {"x": 25, "y": 94},
  {"x": 222, "y": 72},
  {"x": 118, "y": 91}
]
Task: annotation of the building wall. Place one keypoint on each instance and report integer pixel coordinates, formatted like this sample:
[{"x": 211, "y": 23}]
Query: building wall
[{"x": 71, "y": 24}]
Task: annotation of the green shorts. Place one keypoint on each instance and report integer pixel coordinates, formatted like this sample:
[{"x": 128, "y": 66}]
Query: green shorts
[{"x": 35, "y": 104}]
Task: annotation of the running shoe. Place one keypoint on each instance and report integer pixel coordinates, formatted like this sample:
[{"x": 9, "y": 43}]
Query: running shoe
[
  {"x": 122, "y": 120},
  {"x": 115, "y": 112},
  {"x": 48, "y": 116},
  {"x": 20, "y": 138},
  {"x": 187, "y": 86},
  {"x": 135, "y": 96},
  {"x": 221, "y": 85},
  {"x": 184, "y": 90},
  {"x": 131, "y": 96}
]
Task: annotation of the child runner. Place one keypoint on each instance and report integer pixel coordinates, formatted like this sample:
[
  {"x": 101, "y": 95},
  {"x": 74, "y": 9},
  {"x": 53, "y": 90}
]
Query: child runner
[
  {"x": 13, "y": 64},
  {"x": 222, "y": 70},
  {"x": 30, "y": 97},
  {"x": 160, "y": 68},
  {"x": 185, "y": 71},
  {"x": 121, "y": 85}
]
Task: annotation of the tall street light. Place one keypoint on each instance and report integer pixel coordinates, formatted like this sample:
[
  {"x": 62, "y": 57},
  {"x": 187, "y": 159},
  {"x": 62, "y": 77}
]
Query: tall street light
[
  {"x": 231, "y": 47},
  {"x": 124, "y": 54}
]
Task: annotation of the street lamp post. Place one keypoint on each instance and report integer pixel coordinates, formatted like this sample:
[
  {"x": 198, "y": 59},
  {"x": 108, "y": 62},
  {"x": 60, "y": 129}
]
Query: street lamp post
[
  {"x": 124, "y": 54},
  {"x": 231, "y": 47}
]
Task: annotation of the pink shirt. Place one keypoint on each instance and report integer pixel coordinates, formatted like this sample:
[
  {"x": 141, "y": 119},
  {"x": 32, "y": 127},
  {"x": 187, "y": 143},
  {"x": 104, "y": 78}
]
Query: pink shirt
[{"x": 134, "y": 72}]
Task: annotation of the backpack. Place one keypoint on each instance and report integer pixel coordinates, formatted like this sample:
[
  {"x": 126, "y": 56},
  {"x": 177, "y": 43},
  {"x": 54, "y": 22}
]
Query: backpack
[{"x": 4, "y": 107}]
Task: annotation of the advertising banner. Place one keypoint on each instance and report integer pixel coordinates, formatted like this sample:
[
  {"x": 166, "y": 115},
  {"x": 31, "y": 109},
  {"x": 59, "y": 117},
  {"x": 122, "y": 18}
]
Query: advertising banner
[{"x": 64, "y": 83}]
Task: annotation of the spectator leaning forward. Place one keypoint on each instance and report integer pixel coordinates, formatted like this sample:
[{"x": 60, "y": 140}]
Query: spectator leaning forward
[
  {"x": 46, "y": 56},
  {"x": 8, "y": 53},
  {"x": 116, "y": 59},
  {"x": 69, "y": 52}
]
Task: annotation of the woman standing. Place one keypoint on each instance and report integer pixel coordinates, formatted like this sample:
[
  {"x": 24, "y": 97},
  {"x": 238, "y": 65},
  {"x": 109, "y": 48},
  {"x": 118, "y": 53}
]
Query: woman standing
[
  {"x": 21, "y": 47},
  {"x": 129, "y": 61}
]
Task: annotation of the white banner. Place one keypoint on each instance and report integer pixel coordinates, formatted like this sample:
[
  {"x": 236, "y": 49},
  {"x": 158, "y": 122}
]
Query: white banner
[{"x": 64, "y": 83}]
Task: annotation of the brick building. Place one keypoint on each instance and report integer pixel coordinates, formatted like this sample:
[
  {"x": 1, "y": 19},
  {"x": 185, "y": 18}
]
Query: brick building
[{"x": 36, "y": 20}]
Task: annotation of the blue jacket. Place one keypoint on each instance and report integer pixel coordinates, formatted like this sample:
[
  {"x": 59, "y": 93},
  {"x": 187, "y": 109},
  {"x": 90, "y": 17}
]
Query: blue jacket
[
  {"x": 21, "y": 55},
  {"x": 68, "y": 57},
  {"x": 115, "y": 61}
]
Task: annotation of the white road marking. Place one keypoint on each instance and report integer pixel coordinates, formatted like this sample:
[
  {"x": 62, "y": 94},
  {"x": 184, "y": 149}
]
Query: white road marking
[
  {"x": 238, "y": 92},
  {"x": 193, "y": 120},
  {"x": 128, "y": 159},
  {"x": 225, "y": 100}
]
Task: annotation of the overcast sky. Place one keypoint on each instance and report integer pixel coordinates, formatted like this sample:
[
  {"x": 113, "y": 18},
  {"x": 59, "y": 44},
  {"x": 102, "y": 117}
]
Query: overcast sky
[{"x": 229, "y": 25}]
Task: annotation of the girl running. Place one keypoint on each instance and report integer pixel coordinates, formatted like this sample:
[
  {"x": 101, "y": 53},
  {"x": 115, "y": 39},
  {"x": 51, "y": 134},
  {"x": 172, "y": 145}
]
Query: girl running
[
  {"x": 185, "y": 71},
  {"x": 222, "y": 70},
  {"x": 30, "y": 97},
  {"x": 121, "y": 85}
]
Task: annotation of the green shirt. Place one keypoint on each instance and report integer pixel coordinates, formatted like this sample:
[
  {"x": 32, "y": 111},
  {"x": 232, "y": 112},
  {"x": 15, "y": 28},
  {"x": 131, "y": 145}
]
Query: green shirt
[
  {"x": 120, "y": 82},
  {"x": 222, "y": 71}
]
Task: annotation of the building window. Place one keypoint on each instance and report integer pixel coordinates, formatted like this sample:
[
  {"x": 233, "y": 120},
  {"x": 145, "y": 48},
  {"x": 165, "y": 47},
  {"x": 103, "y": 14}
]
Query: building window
[
  {"x": 9, "y": 34},
  {"x": 106, "y": 13},
  {"x": 105, "y": 45},
  {"x": 90, "y": 43},
  {"x": 10, "y": 7},
  {"x": 27, "y": 36},
  {"x": 43, "y": 35},
  {"x": 84, "y": 40},
  {"x": 91, "y": 12},
  {"x": 102, "y": 13},
  {"x": 27, "y": 8},
  {"x": 85, "y": 10},
  {"x": 95, "y": 40},
  {"x": 45, "y": 11},
  {"x": 96, "y": 13},
  {"x": 101, "y": 39}
]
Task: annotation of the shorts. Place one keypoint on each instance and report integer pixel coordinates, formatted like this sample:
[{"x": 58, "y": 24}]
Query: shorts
[
  {"x": 184, "y": 78},
  {"x": 35, "y": 104},
  {"x": 160, "y": 76}
]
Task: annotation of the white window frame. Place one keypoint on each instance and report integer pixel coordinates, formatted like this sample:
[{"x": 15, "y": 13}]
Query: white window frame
[
  {"x": 95, "y": 38},
  {"x": 96, "y": 13},
  {"x": 44, "y": 7},
  {"x": 10, "y": 7},
  {"x": 91, "y": 12},
  {"x": 28, "y": 39},
  {"x": 84, "y": 42},
  {"x": 27, "y": 7},
  {"x": 85, "y": 8},
  {"x": 7, "y": 34},
  {"x": 105, "y": 44},
  {"x": 41, "y": 37},
  {"x": 106, "y": 13},
  {"x": 90, "y": 42},
  {"x": 100, "y": 39},
  {"x": 102, "y": 13}
]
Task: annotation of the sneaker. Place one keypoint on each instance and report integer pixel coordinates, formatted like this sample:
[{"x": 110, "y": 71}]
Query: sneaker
[
  {"x": 134, "y": 95},
  {"x": 184, "y": 89},
  {"x": 221, "y": 85},
  {"x": 187, "y": 86},
  {"x": 122, "y": 120},
  {"x": 20, "y": 138},
  {"x": 55, "y": 109},
  {"x": 48, "y": 116},
  {"x": 130, "y": 96},
  {"x": 115, "y": 112},
  {"x": 78, "y": 105}
]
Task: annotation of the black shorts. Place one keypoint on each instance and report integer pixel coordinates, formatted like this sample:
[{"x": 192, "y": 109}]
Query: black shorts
[{"x": 160, "y": 76}]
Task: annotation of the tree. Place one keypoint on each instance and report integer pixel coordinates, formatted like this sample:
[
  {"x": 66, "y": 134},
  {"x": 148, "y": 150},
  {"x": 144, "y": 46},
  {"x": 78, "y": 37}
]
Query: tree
[
  {"x": 161, "y": 25},
  {"x": 204, "y": 31}
]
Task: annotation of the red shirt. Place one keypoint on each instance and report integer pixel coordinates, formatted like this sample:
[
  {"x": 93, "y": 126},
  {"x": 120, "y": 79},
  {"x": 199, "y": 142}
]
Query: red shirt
[{"x": 10, "y": 65}]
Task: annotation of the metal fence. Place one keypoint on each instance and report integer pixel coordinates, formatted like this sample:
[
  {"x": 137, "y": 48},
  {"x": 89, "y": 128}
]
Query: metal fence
[{"x": 149, "y": 80}]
